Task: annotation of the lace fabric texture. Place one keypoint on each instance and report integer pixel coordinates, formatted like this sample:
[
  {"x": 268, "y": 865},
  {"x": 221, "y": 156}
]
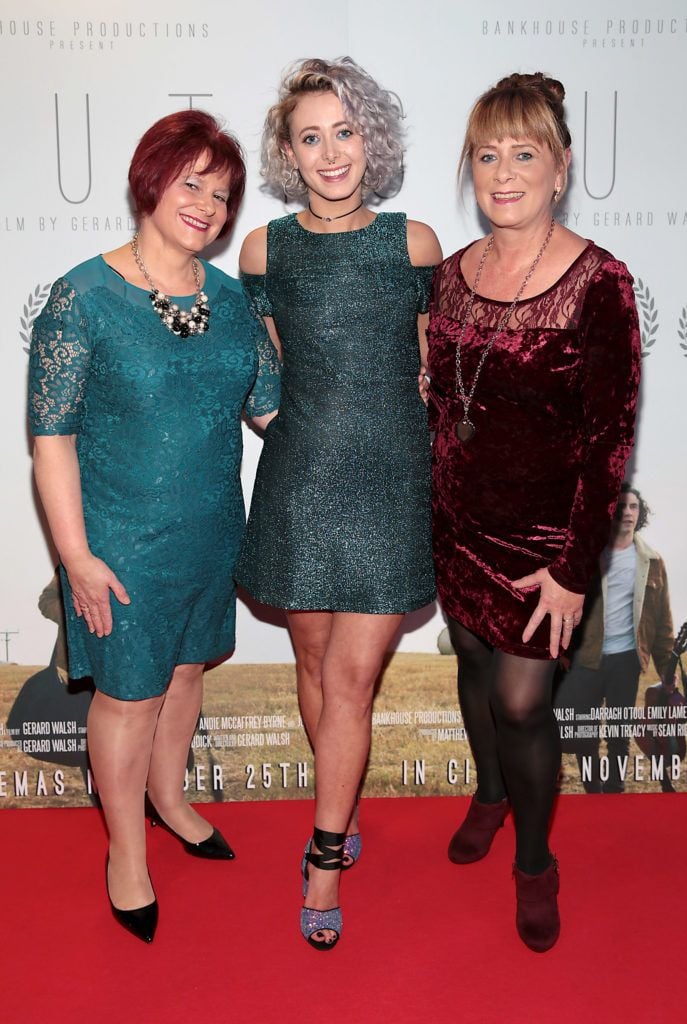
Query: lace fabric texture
[
  {"x": 554, "y": 414},
  {"x": 340, "y": 517},
  {"x": 559, "y": 307},
  {"x": 158, "y": 436}
]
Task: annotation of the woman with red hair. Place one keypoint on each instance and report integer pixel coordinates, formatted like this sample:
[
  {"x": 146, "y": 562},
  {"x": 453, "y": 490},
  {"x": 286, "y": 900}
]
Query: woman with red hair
[{"x": 142, "y": 362}]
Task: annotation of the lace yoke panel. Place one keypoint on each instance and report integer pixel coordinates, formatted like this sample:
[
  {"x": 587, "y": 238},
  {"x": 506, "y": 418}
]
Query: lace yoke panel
[{"x": 559, "y": 307}]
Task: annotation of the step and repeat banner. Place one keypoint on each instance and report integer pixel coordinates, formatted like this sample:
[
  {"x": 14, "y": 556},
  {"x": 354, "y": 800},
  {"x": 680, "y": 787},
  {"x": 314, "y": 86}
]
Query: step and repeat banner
[{"x": 81, "y": 82}]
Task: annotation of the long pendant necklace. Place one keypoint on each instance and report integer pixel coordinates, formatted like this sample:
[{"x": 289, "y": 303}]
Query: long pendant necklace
[
  {"x": 465, "y": 429},
  {"x": 339, "y": 216},
  {"x": 176, "y": 320}
]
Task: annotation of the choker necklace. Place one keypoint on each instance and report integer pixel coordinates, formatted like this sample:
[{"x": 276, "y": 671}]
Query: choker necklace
[
  {"x": 465, "y": 429},
  {"x": 338, "y": 217},
  {"x": 176, "y": 320}
]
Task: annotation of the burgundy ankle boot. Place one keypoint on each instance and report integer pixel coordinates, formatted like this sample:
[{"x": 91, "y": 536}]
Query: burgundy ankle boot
[
  {"x": 474, "y": 837},
  {"x": 537, "y": 917}
]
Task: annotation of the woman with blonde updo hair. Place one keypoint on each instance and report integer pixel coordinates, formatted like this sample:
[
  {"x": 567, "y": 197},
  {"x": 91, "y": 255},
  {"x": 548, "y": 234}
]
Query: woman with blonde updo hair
[
  {"x": 339, "y": 530},
  {"x": 534, "y": 355}
]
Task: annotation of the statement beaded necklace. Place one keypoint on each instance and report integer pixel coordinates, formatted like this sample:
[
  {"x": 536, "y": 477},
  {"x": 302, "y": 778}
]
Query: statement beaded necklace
[
  {"x": 465, "y": 429},
  {"x": 178, "y": 321}
]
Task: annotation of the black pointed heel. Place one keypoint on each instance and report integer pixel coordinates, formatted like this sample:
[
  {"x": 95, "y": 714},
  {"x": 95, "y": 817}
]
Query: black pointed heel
[
  {"x": 215, "y": 847},
  {"x": 141, "y": 921}
]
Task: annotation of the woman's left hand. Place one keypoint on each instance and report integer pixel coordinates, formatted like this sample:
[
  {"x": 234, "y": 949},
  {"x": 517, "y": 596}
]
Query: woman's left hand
[{"x": 564, "y": 607}]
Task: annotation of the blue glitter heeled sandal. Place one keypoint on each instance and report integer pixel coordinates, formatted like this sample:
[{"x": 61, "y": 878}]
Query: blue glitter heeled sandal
[
  {"x": 352, "y": 849},
  {"x": 353, "y": 845},
  {"x": 315, "y": 922}
]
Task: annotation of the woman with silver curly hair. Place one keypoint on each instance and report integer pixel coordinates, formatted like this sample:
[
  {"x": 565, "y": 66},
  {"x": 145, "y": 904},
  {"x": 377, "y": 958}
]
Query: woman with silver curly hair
[
  {"x": 339, "y": 530},
  {"x": 376, "y": 112}
]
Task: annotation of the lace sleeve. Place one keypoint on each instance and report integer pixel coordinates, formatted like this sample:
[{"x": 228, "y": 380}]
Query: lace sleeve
[
  {"x": 58, "y": 363},
  {"x": 264, "y": 395},
  {"x": 609, "y": 384}
]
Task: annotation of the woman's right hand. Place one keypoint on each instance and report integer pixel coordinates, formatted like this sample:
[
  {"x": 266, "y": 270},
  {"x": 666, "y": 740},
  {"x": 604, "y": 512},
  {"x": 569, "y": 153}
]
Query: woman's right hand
[
  {"x": 423, "y": 384},
  {"x": 91, "y": 581}
]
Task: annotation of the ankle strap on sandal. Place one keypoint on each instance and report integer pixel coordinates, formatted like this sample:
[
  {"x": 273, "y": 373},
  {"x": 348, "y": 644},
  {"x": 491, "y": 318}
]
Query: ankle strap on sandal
[{"x": 330, "y": 845}]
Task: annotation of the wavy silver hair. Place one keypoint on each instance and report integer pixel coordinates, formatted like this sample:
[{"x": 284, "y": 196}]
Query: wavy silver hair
[{"x": 375, "y": 113}]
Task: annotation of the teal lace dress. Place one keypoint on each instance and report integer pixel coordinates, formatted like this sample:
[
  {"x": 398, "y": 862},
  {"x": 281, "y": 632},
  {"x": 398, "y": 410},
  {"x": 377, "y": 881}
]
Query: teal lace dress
[
  {"x": 340, "y": 517},
  {"x": 158, "y": 426}
]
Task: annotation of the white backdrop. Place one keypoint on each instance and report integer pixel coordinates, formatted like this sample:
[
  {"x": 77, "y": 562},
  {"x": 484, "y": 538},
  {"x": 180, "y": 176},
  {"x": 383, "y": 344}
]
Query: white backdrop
[{"x": 82, "y": 80}]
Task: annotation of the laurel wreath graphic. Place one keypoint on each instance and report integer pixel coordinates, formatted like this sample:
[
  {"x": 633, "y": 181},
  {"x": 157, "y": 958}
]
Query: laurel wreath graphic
[
  {"x": 649, "y": 313},
  {"x": 32, "y": 308},
  {"x": 682, "y": 331}
]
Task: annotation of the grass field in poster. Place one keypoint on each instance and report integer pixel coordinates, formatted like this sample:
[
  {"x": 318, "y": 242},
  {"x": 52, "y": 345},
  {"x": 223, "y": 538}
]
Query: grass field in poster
[{"x": 250, "y": 744}]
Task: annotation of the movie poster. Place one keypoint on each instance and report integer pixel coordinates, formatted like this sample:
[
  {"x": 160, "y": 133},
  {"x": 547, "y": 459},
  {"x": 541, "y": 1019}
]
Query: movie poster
[
  {"x": 620, "y": 697},
  {"x": 250, "y": 743}
]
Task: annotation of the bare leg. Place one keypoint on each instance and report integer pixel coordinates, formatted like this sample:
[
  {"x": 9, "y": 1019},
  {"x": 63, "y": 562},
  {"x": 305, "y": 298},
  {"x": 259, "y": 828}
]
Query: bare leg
[
  {"x": 120, "y": 739},
  {"x": 310, "y": 634},
  {"x": 352, "y": 662},
  {"x": 175, "y": 727}
]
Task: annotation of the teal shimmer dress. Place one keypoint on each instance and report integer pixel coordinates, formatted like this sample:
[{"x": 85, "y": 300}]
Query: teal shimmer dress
[
  {"x": 340, "y": 517},
  {"x": 158, "y": 425}
]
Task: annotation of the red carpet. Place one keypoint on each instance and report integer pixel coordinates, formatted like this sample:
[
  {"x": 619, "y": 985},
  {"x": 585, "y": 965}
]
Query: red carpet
[{"x": 424, "y": 940}]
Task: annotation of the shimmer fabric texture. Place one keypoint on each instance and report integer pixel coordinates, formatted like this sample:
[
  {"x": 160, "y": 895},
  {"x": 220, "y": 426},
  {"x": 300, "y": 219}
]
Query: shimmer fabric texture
[
  {"x": 159, "y": 445},
  {"x": 554, "y": 414},
  {"x": 340, "y": 516}
]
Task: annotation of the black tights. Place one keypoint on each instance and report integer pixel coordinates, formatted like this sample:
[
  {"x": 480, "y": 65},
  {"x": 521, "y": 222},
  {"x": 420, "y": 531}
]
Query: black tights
[{"x": 506, "y": 703}]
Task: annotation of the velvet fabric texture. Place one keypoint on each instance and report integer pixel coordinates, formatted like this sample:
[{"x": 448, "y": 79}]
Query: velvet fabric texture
[
  {"x": 473, "y": 839},
  {"x": 536, "y": 917},
  {"x": 554, "y": 413}
]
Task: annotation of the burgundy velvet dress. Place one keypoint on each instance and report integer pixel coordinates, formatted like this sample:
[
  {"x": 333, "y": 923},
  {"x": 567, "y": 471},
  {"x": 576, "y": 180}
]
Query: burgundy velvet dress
[{"x": 554, "y": 412}]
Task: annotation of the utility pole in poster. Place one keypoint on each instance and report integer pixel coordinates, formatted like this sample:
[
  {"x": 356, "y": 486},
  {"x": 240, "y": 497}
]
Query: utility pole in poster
[{"x": 5, "y": 635}]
